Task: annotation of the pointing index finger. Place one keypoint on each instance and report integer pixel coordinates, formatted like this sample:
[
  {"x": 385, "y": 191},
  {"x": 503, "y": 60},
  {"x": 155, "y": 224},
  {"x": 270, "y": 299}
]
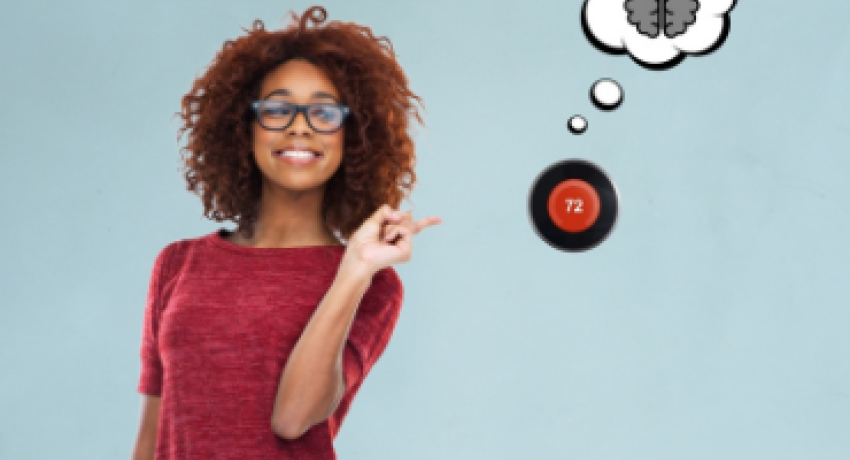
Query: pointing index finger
[{"x": 426, "y": 222}]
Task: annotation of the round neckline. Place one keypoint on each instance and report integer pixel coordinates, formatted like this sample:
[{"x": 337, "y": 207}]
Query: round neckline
[{"x": 217, "y": 238}]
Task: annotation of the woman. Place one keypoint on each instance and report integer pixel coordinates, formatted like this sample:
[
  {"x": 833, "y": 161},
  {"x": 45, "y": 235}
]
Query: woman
[{"x": 256, "y": 341}]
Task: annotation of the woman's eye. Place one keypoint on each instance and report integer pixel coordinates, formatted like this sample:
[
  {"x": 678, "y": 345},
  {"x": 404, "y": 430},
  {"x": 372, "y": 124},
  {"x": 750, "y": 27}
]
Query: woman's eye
[
  {"x": 278, "y": 111},
  {"x": 324, "y": 113}
]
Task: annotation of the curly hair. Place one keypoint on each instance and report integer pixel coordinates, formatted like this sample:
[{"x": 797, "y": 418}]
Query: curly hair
[{"x": 378, "y": 159}]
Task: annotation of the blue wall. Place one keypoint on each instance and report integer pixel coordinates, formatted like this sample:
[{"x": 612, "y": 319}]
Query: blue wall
[{"x": 711, "y": 324}]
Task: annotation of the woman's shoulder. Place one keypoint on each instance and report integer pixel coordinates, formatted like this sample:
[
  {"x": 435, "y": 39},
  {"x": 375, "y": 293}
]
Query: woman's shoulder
[
  {"x": 173, "y": 253},
  {"x": 179, "y": 247}
]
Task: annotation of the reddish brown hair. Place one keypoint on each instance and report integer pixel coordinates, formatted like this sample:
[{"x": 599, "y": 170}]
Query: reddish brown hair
[{"x": 378, "y": 156}]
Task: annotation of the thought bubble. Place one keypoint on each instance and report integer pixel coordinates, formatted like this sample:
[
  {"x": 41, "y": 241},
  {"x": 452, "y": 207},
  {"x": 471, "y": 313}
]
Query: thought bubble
[
  {"x": 606, "y": 94},
  {"x": 577, "y": 124},
  {"x": 657, "y": 34}
]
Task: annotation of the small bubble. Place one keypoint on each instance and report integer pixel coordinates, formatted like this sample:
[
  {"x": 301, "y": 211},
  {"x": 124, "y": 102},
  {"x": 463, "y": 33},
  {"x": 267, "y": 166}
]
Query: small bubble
[
  {"x": 606, "y": 94},
  {"x": 577, "y": 124}
]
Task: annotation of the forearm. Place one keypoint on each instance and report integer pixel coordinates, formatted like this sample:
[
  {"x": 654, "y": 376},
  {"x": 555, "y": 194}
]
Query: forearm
[
  {"x": 144, "y": 449},
  {"x": 313, "y": 374}
]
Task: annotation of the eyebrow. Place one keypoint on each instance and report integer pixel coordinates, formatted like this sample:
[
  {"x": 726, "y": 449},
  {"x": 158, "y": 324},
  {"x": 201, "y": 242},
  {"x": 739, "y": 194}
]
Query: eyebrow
[{"x": 317, "y": 94}]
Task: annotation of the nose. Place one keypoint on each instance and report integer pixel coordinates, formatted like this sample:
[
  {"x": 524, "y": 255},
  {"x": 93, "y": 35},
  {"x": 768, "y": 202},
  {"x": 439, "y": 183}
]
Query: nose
[{"x": 299, "y": 125}]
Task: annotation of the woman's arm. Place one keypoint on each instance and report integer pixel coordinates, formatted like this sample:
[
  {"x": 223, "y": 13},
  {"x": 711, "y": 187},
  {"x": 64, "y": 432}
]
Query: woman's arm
[
  {"x": 312, "y": 381},
  {"x": 146, "y": 438}
]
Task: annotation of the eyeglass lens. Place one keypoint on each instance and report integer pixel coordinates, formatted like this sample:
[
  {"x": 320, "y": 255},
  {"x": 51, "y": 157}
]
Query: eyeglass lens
[{"x": 321, "y": 117}]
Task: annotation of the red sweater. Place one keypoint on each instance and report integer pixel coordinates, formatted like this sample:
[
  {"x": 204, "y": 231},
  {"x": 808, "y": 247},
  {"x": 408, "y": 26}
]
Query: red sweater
[{"x": 219, "y": 325}]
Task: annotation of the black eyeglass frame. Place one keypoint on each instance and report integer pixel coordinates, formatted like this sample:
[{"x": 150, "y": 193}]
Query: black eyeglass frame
[{"x": 257, "y": 105}]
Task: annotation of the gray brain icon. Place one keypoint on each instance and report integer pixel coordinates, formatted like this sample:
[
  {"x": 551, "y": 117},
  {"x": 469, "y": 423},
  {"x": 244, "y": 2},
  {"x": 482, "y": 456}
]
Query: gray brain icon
[{"x": 675, "y": 15}]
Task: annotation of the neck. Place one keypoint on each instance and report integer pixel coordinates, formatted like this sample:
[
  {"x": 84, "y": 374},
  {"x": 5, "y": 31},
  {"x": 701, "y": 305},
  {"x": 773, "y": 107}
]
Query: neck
[{"x": 290, "y": 218}]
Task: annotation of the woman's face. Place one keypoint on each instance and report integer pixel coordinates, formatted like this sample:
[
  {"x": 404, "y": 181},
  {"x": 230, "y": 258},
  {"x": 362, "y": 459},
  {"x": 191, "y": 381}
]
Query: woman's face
[{"x": 299, "y": 82}]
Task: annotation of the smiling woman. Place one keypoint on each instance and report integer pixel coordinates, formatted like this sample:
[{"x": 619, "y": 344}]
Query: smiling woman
[
  {"x": 369, "y": 161},
  {"x": 297, "y": 163},
  {"x": 256, "y": 341}
]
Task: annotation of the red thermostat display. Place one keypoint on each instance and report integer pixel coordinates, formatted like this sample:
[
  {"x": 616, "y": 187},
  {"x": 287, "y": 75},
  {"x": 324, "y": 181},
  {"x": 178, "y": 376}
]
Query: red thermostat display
[{"x": 573, "y": 205}]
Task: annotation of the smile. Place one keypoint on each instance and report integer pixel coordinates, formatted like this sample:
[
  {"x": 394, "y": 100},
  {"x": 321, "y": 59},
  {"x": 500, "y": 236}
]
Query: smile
[{"x": 298, "y": 157}]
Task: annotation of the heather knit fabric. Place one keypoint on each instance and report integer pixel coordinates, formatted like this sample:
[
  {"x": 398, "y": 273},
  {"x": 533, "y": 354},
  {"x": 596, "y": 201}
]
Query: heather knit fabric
[{"x": 220, "y": 323}]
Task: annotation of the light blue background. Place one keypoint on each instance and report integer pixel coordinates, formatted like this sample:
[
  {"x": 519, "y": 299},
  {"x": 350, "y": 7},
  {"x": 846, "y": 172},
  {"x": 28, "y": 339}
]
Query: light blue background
[{"x": 711, "y": 324}]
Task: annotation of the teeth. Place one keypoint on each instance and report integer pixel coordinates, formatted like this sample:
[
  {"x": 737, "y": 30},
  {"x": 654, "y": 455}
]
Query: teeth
[{"x": 299, "y": 154}]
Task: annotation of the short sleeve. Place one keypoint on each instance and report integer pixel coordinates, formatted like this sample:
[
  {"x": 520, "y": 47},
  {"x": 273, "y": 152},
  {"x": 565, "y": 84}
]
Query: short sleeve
[
  {"x": 369, "y": 335},
  {"x": 150, "y": 379}
]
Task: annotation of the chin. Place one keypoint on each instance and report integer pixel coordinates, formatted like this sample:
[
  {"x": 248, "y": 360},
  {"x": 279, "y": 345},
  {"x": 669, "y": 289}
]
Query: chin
[{"x": 301, "y": 185}]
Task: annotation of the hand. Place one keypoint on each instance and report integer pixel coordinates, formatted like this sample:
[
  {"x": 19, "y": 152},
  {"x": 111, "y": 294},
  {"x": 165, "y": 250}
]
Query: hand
[{"x": 383, "y": 240}]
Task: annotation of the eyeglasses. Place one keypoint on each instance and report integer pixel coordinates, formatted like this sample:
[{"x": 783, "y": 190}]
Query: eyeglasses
[{"x": 278, "y": 115}]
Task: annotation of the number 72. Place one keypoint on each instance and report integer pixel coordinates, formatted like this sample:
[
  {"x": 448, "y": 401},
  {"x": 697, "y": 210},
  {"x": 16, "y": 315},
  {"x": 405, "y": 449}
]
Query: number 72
[{"x": 578, "y": 203}]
